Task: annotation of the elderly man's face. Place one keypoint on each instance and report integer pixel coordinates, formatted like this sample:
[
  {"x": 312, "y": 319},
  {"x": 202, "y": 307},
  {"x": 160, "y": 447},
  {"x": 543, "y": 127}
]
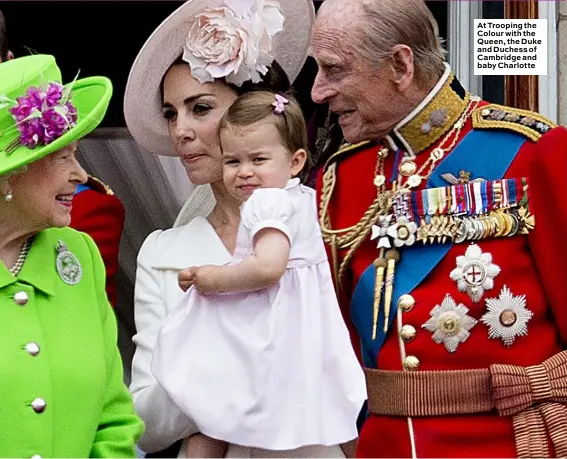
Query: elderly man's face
[
  {"x": 43, "y": 194},
  {"x": 362, "y": 95}
]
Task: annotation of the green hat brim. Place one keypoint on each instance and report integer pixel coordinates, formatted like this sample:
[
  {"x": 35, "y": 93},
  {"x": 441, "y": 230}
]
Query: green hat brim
[{"x": 90, "y": 96}]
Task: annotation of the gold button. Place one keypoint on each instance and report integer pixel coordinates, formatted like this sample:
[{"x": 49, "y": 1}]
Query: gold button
[
  {"x": 411, "y": 363},
  {"x": 407, "y": 167},
  {"x": 21, "y": 298},
  {"x": 39, "y": 405},
  {"x": 32, "y": 349},
  {"x": 407, "y": 333},
  {"x": 406, "y": 303}
]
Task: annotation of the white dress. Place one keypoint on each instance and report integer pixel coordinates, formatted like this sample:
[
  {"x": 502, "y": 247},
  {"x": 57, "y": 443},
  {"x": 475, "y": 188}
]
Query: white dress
[{"x": 273, "y": 368}]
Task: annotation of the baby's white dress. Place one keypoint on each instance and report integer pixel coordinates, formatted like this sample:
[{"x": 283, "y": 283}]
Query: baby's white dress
[{"x": 273, "y": 368}]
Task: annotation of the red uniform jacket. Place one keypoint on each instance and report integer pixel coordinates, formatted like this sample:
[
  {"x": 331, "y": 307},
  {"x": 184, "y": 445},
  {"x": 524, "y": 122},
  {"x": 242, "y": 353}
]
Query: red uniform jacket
[
  {"x": 533, "y": 265},
  {"x": 98, "y": 212}
]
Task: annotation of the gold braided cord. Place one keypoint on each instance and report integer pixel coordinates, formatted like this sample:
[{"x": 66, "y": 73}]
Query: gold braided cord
[
  {"x": 352, "y": 232},
  {"x": 355, "y": 235}
]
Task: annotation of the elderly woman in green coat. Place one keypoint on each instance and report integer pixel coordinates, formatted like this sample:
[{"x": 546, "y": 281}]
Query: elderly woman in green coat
[{"x": 61, "y": 387}]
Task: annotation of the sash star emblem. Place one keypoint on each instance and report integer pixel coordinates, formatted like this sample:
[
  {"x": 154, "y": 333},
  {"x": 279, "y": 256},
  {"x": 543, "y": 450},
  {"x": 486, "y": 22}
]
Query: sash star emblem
[
  {"x": 475, "y": 272},
  {"x": 450, "y": 324},
  {"x": 507, "y": 316}
]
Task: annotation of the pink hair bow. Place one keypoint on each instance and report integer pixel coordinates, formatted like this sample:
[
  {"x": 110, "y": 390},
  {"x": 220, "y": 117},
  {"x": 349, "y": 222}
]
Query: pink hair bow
[{"x": 279, "y": 104}]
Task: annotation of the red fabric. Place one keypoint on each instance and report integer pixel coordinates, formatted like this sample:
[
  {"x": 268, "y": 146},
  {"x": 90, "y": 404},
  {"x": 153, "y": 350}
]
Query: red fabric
[
  {"x": 101, "y": 216},
  {"x": 534, "y": 266}
]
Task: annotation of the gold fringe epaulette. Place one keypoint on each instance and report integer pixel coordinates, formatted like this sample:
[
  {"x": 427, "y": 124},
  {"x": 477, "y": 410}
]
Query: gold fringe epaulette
[
  {"x": 531, "y": 124},
  {"x": 347, "y": 150},
  {"x": 99, "y": 185}
]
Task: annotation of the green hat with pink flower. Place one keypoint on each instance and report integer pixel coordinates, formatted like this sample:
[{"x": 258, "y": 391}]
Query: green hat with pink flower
[{"x": 40, "y": 115}]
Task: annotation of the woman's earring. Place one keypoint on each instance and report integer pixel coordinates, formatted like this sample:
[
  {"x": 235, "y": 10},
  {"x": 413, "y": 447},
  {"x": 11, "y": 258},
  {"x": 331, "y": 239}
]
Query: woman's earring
[{"x": 8, "y": 196}]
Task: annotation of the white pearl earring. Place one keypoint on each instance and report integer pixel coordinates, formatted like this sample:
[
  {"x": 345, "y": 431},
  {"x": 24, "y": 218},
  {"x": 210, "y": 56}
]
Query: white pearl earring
[{"x": 8, "y": 196}]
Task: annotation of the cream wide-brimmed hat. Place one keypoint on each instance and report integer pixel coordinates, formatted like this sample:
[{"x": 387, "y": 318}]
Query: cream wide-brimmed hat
[{"x": 287, "y": 42}]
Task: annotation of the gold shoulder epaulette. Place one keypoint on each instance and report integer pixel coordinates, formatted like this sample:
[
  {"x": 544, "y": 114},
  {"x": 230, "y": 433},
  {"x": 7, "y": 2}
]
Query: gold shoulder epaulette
[
  {"x": 531, "y": 124},
  {"x": 347, "y": 150},
  {"x": 99, "y": 185}
]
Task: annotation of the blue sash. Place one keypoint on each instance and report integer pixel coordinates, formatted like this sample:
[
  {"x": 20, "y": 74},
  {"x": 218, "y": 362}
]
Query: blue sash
[
  {"x": 490, "y": 153},
  {"x": 81, "y": 187}
]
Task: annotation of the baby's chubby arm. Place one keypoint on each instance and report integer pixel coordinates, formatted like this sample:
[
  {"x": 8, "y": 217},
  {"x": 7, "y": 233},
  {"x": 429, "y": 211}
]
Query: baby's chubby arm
[{"x": 257, "y": 271}]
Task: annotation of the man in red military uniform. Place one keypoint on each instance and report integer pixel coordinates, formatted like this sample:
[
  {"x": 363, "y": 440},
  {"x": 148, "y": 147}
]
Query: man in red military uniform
[
  {"x": 445, "y": 218},
  {"x": 98, "y": 212}
]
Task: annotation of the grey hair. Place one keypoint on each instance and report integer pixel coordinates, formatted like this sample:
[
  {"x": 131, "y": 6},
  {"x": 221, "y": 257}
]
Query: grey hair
[
  {"x": 5, "y": 180},
  {"x": 407, "y": 22},
  {"x": 4, "y": 185},
  {"x": 18, "y": 171}
]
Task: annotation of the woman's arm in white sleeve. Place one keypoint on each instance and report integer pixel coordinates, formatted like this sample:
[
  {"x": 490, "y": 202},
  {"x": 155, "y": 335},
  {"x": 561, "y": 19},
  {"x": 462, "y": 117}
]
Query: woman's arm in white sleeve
[{"x": 165, "y": 424}]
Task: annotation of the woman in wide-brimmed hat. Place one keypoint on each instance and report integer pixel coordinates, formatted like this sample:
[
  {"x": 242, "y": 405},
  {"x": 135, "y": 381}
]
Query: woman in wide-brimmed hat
[
  {"x": 62, "y": 393},
  {"x": 187, "y": 74}
]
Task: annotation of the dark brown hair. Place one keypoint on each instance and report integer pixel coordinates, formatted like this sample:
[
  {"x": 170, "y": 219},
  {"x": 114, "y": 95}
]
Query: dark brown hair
[
  {"x": 3, "y": 38},
  {"x": 275, "y": 79}
]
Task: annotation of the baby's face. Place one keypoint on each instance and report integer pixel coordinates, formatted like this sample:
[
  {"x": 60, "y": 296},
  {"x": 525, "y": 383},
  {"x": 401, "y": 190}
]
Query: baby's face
[{"x": 254, "y": 157}]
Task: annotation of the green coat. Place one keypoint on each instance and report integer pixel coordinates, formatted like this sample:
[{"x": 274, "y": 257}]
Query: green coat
[{"x": 58, "y": 346}]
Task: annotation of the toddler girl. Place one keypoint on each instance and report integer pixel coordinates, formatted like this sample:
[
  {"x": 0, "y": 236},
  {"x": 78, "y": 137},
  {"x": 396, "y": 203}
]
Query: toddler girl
[{"x": 257, "y": 352}]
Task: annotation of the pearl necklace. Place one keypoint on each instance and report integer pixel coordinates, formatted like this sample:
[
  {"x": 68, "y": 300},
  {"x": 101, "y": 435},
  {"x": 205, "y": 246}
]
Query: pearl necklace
[{"x": 14, "y": 270}]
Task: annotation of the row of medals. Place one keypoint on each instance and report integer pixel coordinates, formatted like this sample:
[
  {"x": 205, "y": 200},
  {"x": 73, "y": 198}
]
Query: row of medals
[
  {"x": 461, "y": 228},
  {"x": 457, "y": 229}
]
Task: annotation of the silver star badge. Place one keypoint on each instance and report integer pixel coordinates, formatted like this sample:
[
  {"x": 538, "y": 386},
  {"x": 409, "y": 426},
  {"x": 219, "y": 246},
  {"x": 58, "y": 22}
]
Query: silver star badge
[
  {"x": 450, "y": 324},
  {"x": 507, "y": 316},
  {"x": 475, "y": 272}
]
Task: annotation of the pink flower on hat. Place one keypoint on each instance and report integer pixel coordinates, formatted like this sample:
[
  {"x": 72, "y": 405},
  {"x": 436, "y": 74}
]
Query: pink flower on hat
[
  {"x": 233, "y": 41},
  {"x": 43, "y": 115}
]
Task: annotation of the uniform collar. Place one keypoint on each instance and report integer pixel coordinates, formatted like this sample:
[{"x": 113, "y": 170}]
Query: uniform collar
[
  {"x": 432, "y": 118},
  {"x": 39, "y": 267}
]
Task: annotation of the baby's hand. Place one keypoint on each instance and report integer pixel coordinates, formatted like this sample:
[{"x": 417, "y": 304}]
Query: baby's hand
[
  {"x": 186, "y": 278},
  {"x": 207, "y": 279},
  {"x": 204, "y": 278}
]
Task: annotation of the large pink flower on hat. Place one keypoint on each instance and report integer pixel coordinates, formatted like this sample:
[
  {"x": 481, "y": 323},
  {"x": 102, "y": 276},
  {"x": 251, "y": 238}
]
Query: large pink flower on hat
[{"x": 233, "y": 41}]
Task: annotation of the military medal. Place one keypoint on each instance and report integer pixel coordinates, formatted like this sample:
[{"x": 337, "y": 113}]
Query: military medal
[
  {"x": 404, "y": 232},
  {"x": 475, "y": 272},
  {"x": 67, "y": 264},
  {"x": 526, "y": 220},
  {"x": 383, "y": 231},
  {"x": 507, "y": 316},
  {"x": 450, "y": 324}
]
